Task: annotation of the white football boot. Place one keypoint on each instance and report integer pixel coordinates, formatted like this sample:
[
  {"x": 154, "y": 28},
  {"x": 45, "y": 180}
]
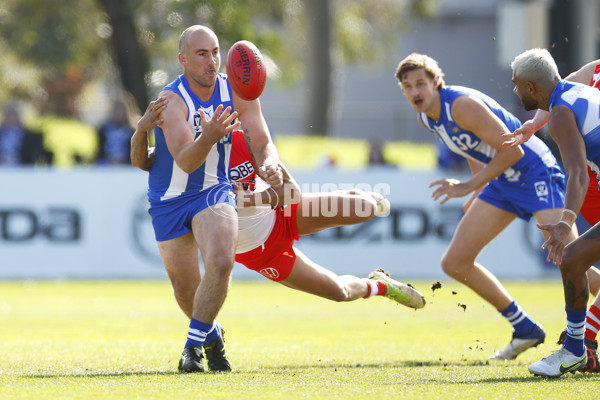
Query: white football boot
[
  {"x": 558, "y": 363},
  {"x": 518, "y": 345},
  {"x": 398, "y": 291}
]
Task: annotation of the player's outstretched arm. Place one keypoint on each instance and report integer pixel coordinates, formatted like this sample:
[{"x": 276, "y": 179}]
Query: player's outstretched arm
[
  {"x": 259, "y": 140},
  {"x": 319, "y": 211},
  {"x": 527, "y": 130},
  {"x": 584, "y": 74},
  {"x": 142, "y": 156}
]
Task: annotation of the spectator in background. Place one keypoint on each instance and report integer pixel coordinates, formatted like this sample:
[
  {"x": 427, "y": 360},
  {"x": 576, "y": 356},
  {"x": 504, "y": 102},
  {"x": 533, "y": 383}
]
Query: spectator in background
[
  {"x": 19, "y": 145},
  {"x": 114, "y": 136},
  {"x": 376, "y": 156},
  {"x": 326, "y": 161}
]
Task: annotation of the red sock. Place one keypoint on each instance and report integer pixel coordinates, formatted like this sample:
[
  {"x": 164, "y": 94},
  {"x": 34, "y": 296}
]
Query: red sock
[
  {"x": 375, "y": 288},
  {"x": 369, "y": 288},
  {"x": 382, "y": 288},
  {"x": 592, "y": 323}
]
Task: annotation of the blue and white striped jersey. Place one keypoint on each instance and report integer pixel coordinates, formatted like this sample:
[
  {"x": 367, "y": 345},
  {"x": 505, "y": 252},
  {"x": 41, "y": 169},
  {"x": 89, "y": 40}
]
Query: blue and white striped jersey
[
  {"x": 469, "y": 145},
  {"x": 584, "y": 101},
  {"x": 167, "y": 180}
]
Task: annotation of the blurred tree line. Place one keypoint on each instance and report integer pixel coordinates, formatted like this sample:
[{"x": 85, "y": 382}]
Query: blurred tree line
[{"x": 53, "y": 49}]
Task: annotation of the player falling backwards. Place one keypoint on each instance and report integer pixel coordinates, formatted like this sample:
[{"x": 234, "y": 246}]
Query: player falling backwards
[
  {"x": 268, "y": 228},
  {"x": 267, "y": 232}
]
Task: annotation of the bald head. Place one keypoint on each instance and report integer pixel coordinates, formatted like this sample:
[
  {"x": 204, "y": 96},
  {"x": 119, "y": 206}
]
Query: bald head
[{"x": 193, "y": 31}]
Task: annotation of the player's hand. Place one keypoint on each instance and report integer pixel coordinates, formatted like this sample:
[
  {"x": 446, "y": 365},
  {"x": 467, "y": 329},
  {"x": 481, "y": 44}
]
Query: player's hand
[
  {"x": 558, "y": 239},
  {"x": 520, "y": 135},
  {"x": 447, "y": 189},
  {"x": 272, "y": 174},
  {"x": 153, "y": 115},
  {"x": 242, "y": 195},
  {"x": 219, "y": 125}
]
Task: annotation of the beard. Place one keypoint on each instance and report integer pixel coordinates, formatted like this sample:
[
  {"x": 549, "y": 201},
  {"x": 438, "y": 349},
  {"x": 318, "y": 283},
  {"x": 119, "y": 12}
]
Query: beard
[
  {"x": 529, "y": 104},
  {"x": 203, "y": 80}
]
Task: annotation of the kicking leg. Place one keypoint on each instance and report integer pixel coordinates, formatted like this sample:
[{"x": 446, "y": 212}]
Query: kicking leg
[
  {"x": 310, "y": 277},
  {"x": 318, "y": 211}
]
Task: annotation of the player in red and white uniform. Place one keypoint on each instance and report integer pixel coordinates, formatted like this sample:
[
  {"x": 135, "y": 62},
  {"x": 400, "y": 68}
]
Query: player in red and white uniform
[
  {"x": 589, "y": 74},
  {"x": 271, "y": 220}
]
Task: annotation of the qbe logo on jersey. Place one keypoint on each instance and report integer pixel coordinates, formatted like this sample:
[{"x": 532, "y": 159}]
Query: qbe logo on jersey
[{"x": 541, "y": 189}]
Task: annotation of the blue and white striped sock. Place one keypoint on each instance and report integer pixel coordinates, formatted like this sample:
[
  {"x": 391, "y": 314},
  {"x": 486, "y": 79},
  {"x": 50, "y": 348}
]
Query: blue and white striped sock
[
  {"x": 575, "y": 332},
  {"x": 197, "y": 333},
  {"x": 213, "y": 334},
  {"x": 518, "y": 318}
]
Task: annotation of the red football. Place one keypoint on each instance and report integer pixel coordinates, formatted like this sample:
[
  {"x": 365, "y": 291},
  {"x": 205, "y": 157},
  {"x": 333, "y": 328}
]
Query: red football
[{"x": 246, "y": 70}]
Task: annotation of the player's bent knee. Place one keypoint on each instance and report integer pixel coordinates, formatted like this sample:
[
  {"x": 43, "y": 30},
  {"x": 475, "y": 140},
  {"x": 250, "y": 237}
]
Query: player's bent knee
[
  {"x": 452, "y": 269},
  {"x": 219, "y": 262},
  {"x": 452, "y": 272},
  {"x": 571, "y": 263}
]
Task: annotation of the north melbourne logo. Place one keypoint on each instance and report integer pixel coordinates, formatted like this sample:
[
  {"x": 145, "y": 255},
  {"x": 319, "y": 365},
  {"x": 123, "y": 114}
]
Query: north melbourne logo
[
  {"x": 196, "y": 122},
  {"x": 541, "y": 189}
]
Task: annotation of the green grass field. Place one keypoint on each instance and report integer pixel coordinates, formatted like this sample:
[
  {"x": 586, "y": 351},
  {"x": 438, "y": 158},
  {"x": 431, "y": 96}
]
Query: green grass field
[{"x": 122, "y": 340}]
